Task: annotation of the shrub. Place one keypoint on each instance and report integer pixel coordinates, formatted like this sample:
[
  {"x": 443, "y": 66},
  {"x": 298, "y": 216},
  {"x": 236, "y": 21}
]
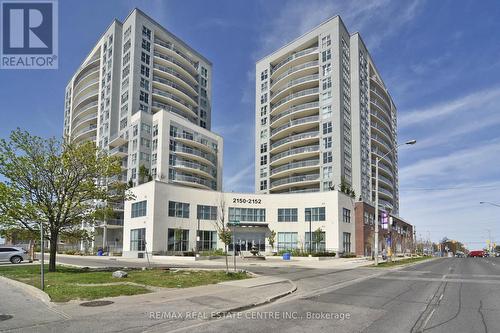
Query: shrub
[
  {"x": 216, "y": 252},
  {"x": 347, "y": 255},
  {"x": 324, "y": 254}
]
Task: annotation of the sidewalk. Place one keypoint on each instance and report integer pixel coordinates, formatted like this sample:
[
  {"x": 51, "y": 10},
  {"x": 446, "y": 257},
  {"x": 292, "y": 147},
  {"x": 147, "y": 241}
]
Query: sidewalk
[{"x": 171, "y": 307}]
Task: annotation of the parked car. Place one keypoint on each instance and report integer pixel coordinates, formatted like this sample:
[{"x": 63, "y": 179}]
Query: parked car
[
  {"x": 459, "y": 254},
  {"x": 476, "y": 253},
  {"x": 13, "y": 254}
]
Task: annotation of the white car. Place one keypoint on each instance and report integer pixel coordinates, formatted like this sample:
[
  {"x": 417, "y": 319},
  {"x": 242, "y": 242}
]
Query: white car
[{"x": 13, "y": 254}]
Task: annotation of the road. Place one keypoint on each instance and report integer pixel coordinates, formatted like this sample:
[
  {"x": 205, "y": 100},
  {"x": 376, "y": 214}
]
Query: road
[{"x": 443, "y": 295}]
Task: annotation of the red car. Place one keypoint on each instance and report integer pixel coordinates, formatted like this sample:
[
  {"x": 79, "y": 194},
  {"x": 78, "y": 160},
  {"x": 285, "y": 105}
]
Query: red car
[{"x": 476, "y": 253}]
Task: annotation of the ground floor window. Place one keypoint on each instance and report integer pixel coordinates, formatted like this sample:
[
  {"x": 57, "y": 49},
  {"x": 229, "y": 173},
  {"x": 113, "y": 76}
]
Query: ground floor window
[
  {"x": 138, "y": 239},
  {"x": 178, "y": 240},
  {"x": 208, "y": 240},
  {"x": 347, "y": 242},
  {"x": 287, "y": 241},
  {"x": 318, "y": 241},
  {"x": 245, "y": 241}
]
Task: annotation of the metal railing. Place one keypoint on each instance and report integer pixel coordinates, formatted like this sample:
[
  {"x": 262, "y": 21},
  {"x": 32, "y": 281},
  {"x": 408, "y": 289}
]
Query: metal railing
[
  {"x": 294, "y": 151},
  {"x": 178, "y": 63},
  {"x": 294, "y": 69},
  {"x": 197, "y": 180},
  {"x": 197, "y": 139},
  {"x": 175, "y": 98},
  {"x": 295, "y": 179},
  {"x": 175, "y": 86},
  {"x": 295, "y": 165},
  {"x": 295, "y": 122},
  {"x": 172, "y": 47},
  {"x": 193, "y": 151},
  {"x": 197, "y": 166},
  {"x": 292, "y": 57},
  {"x": 293, "y": 109},
  {"x": 84, "y": 130},
  {"x": 295, "y": 95},
  {"x": 291, "y": 83},
  {"x": 294, "y": 138},
  {"x": 173, "y": 72}
]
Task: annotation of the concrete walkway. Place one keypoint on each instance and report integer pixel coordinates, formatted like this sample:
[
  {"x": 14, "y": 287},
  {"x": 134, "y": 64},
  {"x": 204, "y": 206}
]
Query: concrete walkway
[{"x": 166, "y": 308}]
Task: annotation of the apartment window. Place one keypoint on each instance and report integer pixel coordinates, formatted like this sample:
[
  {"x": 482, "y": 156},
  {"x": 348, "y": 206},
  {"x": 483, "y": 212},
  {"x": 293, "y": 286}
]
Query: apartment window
[
  {"x": 134, "y": 144},
  {"x": 144, "y": 83},
  {"x": 328, "y": 186},
  {"x": 347, "y": 242},
  {"x": 327, "y": 127},
  {"x": 327, "y": 172},
  {"x": 143, "y": 107},
  {"x": 327, "y": 157},
  {"x": 327, "y": 83},
  {"x": 133, "y": 158},
  {"x": 326, "y": 55},
  {"x": 326, "y": 41},
  {"x": 326, "y": 97},
  {"x": 206, "y": 212},
  {"x": 263, "y": 98},
  {"x": 263, "y": 110},
  {"x": 177, "y": 239},
  {"x": 146, "y": 45},
  {"x": 146, "y": 32},
  {"x": 327, "y": 69},
  {"x": 263, "y": 134},
  {"x": 263, "y": 86},
  {"x": 155, "y": 144},
  {"x": 155, "y": 129},
  {"x": 263, "y": 121},
  {"x": 126, "y": 46},
  {"x": 126, "y": 58},
  {"x": 263, "y": 172},
  {"x": 287, "y": 215},
  {"x": 138, "y": 239},
  {"x": 263, "y": 148},
  {"x": 123, "y": 123},
  {"x": 178, "y": 209},
  {"x": 287, "y": 241},
  {"x": 263, "y": 75},
  {"x": 145, "y": 70},
  {"x": 327, "y": 142},
  {"x": 144, "y": 97},
  {"x": 326, "y": 111},
  {"x": 145, "y": 142},
  {"x": 263, "y": 185},
  {"x": 135, "y": 130},
  {"x": 263, "y": 160},
  {"x": 145, "y": 58},
  {"x": 204, "y": 71},
  {"x": 346, "y": 215},
  {"x": 125, "y": 96},
  {"x": 203, "y": 124},
  {"x": 247, "y": 214},
  {"x": 146, "y": 128},
  {"x": 139, "y": 209},
  {"x": 127, "y": 32},
  {"x": 315, "y": 214},
  {"x": 318, "y": 241},
  {"x": 203, "y": 82}
]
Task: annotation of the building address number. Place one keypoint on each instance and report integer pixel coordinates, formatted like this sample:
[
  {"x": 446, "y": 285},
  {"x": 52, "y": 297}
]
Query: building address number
[{"x": 249, "y": 201}]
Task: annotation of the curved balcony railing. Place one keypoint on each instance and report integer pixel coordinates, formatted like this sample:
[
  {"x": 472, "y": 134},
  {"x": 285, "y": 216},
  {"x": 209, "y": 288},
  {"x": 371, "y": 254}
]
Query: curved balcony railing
[
  {"x": 193, "y": 179},
  {"x": 295, "y": 151},
  {"x": 82, "y": 120},
  {"x": 292, "y": 57},
  {"x": 173, "y": 109},
  {"x": 196, "y": 139},
  {"x": 197, "y": 166},
  {"x": 296, "y": 137},
  {"x": 294, "y": 123},
  {"x": 381, "y": 118},
  {"x": 92, "y": 65},
  {"x": 178, "y": 63},
  {"x": 381, "y": 93},
  {"x": 193, "y": 151},
  {"x": 295, "y": 179},
  {"x": 84, "y": 130},
  {"x": 76, "y": 94},
  {"x": 381, "y": 141},
  {"x": 95, "y": 71},
  {"x": 383, "y": 167},
  {"x": 294, "y": 69},
  {"x": 175, "y": 98},
  {"x": 172, "y": 47},
  {"x": 385, "y": 179},
  {"x": 85, "y": 97},
  {"x": 295, "y": 95},
  {"x": 380, "y": 153},
  {"x": 294, "y": 109},
  {"x": 295, "y": 165},
  {"x": 386, "y": 192},
  {"x": 173, "y": 72},
  {"x": 292, "y": 83},
  {"x": 120, "y": 149},
  {"x": 381, "y": 107},
  {"x": 175, "y": 86}
]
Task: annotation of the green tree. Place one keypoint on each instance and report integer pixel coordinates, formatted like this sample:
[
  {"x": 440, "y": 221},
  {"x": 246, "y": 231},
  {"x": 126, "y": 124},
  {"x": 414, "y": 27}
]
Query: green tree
[
  {"x": 144, "y": 175},
  {"x": 318, "y": 237},
  {"x": 56, "y": 183},
  {"x": 223, "y": 230}
]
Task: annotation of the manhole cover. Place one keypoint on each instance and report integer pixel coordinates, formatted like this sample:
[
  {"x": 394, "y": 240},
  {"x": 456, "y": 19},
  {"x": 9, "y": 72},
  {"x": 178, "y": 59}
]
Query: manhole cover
[
  {"x": 5, "y": 317},
  {"x": 96, "y": 303}
]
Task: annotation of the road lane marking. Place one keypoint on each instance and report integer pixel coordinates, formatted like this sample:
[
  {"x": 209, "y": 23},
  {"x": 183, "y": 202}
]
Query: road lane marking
[
  {"x": 438, "y": 280},
  {"x": 428, "y": 318}
]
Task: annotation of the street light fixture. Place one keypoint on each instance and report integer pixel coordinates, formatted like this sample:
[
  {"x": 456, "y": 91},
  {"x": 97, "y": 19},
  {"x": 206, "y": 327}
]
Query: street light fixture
[
  {"x": 377, "y": 160},
  {"x": 489, "y": 231}
]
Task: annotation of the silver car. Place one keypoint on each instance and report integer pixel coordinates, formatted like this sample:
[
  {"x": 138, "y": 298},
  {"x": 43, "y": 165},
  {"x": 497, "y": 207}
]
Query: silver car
[{"x": 13, "y": 254}]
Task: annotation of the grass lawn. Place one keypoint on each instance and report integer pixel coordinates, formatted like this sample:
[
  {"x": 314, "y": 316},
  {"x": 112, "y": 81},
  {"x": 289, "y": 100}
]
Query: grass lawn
[
  {"x": 400, "y": 262},
  {"x": 73, "y": 283}
]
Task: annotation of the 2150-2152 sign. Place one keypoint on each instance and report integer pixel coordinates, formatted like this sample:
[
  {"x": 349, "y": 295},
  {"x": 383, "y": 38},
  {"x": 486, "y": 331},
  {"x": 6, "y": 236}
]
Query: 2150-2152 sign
[{"x": 249, "y": 201}]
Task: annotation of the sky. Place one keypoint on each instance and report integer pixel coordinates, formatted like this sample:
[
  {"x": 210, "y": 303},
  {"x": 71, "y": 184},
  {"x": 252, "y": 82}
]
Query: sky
[{"x": 439, "y": 59}]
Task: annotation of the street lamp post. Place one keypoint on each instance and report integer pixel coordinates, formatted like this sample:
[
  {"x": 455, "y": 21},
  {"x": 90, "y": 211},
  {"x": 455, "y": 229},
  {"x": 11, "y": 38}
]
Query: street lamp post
[
  {"x": 489, "y": 231},
  {"x": 308, "y": 215},
  {"x": 377, "y": 160}
]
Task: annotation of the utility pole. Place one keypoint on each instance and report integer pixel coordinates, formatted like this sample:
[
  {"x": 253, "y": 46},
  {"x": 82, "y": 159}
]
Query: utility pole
[
  {"x": 308, "y": 214},
  {"x": 42, "y": 268}
]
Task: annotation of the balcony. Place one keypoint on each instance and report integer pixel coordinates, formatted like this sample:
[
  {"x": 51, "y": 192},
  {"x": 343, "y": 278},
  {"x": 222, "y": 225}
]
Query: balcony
[
  {"x": 84, "y": 70},
  {"x": 174, "y": 75},
  {"x": 302, "y": 166},
  {"x": 295, "y": 153},
  {"x": 293, "y": 56},
  {"x": 194, "y": 167},
  {"x": 178, "y": 102},
  {"x": 176, "y": 51},
  {"x": 194, "y": 181},
  {"x": 117, "y": 139},
  {"x": 307, "y": 137},
  {"x": 381, "y": 142},
  {"x": 176, "y": 88},
  {"x": 295, "y": 180},
  {"x": 179, "y": 66},
  {"x": 384, "y": 168},
  {"x": 308, "y": 68},
  {"x": 295, "y": 110},
  {"x": 195, "y": 154},
  {"x": 84, "y": 133},
  {"x": 197, "y": 141},
  {"x": 381, "y": 118},
  {"x": 304, "y": 82},
  {"x": 297, "y": 125},
  {"x": 119, "y": 151},
  {"x": 383, "y": 179},
  {"x": 93, "y": 94},
  {"x": 85, "y": 109},
  {"x": 157, "y": 106},
  {"x": 91, "y": 118},
  {"x": 92, "y": 76},
  {"x": 299, "y": 97}
]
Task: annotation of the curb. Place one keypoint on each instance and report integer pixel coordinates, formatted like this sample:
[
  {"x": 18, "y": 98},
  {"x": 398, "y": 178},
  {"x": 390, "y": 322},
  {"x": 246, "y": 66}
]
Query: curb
[
  {"x": 220, "y": 314},
  {"x": 32, "y": 291}
]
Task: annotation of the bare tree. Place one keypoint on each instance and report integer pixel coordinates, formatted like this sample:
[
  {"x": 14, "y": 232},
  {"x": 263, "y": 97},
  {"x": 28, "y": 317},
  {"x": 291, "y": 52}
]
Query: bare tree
[{"x": 223, "y": 230}]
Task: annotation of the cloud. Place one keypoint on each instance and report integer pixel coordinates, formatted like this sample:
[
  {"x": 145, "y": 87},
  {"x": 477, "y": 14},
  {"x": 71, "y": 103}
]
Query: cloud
[
  {"x": 473, "y": 100},
  {"x": 239, "y": 180}
]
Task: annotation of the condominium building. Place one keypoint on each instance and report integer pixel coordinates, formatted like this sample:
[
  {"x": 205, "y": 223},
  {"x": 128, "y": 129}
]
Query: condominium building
[
  {"x": 322, "y": 115},
  {"x": 144, "y": 95}
]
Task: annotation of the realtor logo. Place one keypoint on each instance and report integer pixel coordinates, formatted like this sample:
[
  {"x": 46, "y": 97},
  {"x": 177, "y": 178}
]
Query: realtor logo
[{"x": 29, "y": 35}]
